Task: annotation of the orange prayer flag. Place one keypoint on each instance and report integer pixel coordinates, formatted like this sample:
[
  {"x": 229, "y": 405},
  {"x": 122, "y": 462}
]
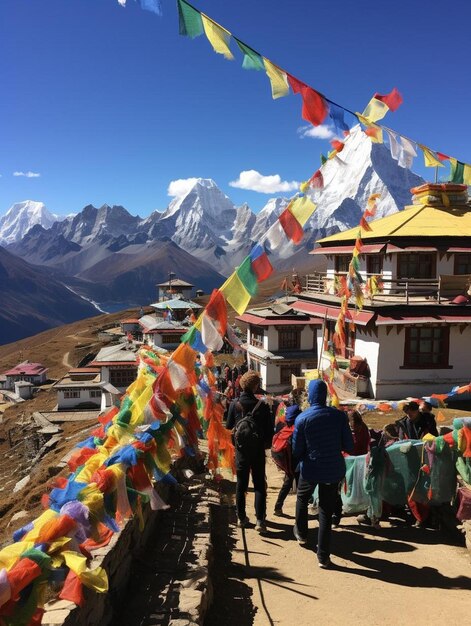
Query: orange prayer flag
[{"x": 440, "y": 417}]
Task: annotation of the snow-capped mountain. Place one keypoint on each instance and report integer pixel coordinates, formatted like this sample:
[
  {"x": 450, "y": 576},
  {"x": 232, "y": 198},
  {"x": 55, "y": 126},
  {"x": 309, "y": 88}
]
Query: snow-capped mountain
[
  {"x": 207, "y": 224},
  {"x": 21, "y": 217}
]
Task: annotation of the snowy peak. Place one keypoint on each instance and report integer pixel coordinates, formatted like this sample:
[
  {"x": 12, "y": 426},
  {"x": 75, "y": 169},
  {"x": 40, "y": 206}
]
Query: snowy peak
[{"x": 21, "y": 217}]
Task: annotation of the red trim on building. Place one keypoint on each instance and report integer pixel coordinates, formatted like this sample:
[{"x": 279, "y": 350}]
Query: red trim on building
[
  {"x": 263, "y": 321},
  {"x": 383, "y": 320},
  {"x": 366, "y": 248},
  {"x": 331, "y": 313}
]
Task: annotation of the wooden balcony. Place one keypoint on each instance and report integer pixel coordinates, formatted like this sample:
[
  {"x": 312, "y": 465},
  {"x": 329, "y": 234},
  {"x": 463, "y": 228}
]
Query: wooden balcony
[{"x": 394, "y": 291}]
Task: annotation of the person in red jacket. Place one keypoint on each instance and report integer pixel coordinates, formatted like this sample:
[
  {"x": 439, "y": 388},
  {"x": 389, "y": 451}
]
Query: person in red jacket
[{"x": 360, "y": 433}]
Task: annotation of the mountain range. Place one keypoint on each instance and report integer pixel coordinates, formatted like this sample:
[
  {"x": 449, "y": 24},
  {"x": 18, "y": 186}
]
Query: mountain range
[{"x": 114, "y": 258}]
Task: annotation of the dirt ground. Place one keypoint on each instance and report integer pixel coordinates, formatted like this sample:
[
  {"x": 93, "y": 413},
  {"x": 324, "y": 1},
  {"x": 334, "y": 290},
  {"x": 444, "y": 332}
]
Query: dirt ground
[{"x": 395, "y": 575}]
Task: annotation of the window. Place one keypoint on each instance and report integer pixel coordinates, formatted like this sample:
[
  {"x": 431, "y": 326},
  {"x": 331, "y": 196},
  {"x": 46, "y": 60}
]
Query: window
[
  {"x": 171, "y": 338},
  {"x": 374, "y": 264},
  {"x": 71, "y": 394},
  {"x": 286, "y": 371},
  {"x": 289, "y": 339},
  {"x": 122, "y": 377},
  {"x": 95, "y": 393},
  {"x": 255, "y": 365},
  {"x": 256, "y": 337},
  {"x": 426, "y": 347},
  {"x": 462, "y": 263},
  {"x": 416, "y": 265},
  {"x": 342, "y": 261}
]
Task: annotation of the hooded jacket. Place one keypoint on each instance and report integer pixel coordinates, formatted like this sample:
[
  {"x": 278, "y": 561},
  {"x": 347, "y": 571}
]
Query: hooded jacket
[{"x": 320, "y": 436}]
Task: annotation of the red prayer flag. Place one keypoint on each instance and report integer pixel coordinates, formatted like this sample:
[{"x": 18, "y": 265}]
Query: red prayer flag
[
  {"x": 261, "y": 267},
  {"x": 217, "y": 309},
  {"x": 337, "y": 145},
  {"x": 442, "y": 157},
  {"x": 72, "y": 589},
  {"x": 291, "y": 226},
  {"x": 392, "y": 100},
  {"x": 317, "y": 180},
  {"x": 315, "y": 108}
]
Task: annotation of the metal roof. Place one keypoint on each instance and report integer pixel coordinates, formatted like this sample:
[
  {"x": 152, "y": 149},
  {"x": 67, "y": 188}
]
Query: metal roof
[
  {"x": 414, "y": 221},
  {"x": 176, "y": 303},
  {"x": 175, "y": 282}
]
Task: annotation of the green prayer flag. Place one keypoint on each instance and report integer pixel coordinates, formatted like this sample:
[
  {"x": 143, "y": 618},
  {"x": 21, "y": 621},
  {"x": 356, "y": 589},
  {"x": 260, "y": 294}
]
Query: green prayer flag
[
  {"x": 457, "y": 172},
  {"x": 252, "y": 60},
  {"x": 190, "y": 22},
  {"x": 323, "y": 159},
  {"x": 188, "y": 336},
  {"x": 247, "y": 276}
]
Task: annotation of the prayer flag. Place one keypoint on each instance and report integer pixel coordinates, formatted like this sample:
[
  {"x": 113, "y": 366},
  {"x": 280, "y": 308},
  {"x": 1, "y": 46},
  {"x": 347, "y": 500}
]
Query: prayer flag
[
  {"x": 276, "y": 235},
  {"x": 210, "y": 334},
  {"x": 190, "y": 22},
  {"x": 460, "y": 172},
  {"x": 247, "y": 276},
  {"x": 430, "y": 157},
  {"x": 278, "y": 80},
  {"x": 443, "y": 157},
  {"x": 337, "y": 145},
  {"x": 291, "y": 226},
  {"x": 314, "y": 106},
  {"x": 375, "y": 110},
  {"x": 457, "y": 171},
  {"x": 336, "y": 114},
  {"x": 261, "y": 265},
  {"x": 235, "y": 293},
  {"x": 252, "y": 60},
  {"x": 302, "y": 208},
  {"x": 323, "y": 159},
  {"x": 408, "y": 152},
  {"x": 317, "y": 180},
  {"x": 393, "y": 100},
  {"x": 218, "y": 37},
  {"x": 217, "y": 310},
  {"x": 194, "y": 339}
]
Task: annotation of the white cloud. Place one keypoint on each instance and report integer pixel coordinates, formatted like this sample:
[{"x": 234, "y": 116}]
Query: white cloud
[
  {"x": 254, "y": 181},
  {"x": 27, "y": 174},
  {"x": 317, "y": 132},
  {"x": 180, "y": 187}
]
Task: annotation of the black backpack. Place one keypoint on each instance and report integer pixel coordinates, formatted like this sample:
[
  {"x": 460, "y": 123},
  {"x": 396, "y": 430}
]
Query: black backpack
[{"x": 247, "y": 437}]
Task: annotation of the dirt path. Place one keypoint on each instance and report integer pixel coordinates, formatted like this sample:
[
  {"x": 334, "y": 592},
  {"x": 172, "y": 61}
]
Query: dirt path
[{"x": 391, "y": 576}]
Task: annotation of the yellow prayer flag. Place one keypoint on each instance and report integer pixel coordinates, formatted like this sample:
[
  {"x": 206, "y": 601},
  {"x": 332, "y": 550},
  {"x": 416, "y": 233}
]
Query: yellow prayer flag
[
  {"x": 430, "y": 158},
  {"x": 278, "y": 80},
  {"x": 467, "y": 174},
  {"x": 375, "y": 110},
  {"x": 218, "y": 37},
  {"x": 235, "y": 293},
  {"x": 374, "y": 132},
  {"x": 137, "y": 409},
  {"x": 302, "y": 208}
]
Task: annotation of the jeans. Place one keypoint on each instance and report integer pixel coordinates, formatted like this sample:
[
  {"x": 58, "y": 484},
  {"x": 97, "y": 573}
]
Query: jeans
[
  {"x": 256, "y": 466},
  {"x": 328, "y": 493},
  {"x": 285, "y": 489}
]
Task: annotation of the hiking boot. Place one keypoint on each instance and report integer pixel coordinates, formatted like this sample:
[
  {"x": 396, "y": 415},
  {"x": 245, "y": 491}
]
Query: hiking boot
[
  {"x": 325, "y": 563},
  {"x": 364, "y": 520},
  {"x": 278, "y": 512},
  {"x": 299, "y": 538},
  {"x": 260, "y": 526},
  {"x": 244, "y": 523},
  {"x": 335, "y": 521}
]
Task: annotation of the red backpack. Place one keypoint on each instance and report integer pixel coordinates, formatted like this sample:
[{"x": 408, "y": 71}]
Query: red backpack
[{"x": 281, "y": 450}]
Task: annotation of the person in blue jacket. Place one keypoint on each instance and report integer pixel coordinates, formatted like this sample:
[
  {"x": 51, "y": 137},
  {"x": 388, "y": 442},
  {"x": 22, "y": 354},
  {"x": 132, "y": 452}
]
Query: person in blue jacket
[{"x": 320, "y": 436}]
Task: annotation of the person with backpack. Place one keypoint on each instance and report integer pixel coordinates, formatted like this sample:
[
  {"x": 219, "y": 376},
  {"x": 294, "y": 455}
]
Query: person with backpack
[
  {"x": 282, "y": 455},
  {"x": 320, "y": 436},
  {"x": 252, "y": 425}
]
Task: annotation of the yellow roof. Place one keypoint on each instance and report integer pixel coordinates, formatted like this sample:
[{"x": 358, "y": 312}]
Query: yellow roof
[{"x": 414, "y": 221}]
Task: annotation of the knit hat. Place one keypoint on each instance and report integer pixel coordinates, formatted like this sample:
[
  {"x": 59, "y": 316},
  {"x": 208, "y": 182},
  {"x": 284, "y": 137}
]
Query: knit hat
[{"x": 291, "y": 414}]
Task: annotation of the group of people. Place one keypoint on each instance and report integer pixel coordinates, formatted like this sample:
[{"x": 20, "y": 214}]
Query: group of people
[
  {"x": 321, "y": 437},
  {"x": 228, "y": 380}
]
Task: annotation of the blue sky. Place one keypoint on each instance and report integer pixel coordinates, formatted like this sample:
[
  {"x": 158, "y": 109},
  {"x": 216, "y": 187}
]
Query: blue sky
[{"x": 110, "y": 104}]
